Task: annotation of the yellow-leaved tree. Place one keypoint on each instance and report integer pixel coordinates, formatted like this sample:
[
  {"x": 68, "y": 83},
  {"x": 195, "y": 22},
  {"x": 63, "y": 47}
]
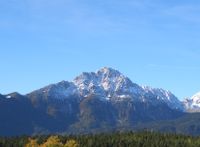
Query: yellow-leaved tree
[
  {"x": 32, "y": 143},
  {"x": 71, "y": 143},
  {"x": 52, "y": 141}
]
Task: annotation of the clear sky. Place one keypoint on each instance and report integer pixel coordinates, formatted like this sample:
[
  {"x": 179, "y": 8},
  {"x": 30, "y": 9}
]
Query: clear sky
[{"x": 153, "y": 42}]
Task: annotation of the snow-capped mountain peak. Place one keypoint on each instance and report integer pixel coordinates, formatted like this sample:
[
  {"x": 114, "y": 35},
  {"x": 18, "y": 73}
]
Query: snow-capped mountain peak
[
  {"x": 196, "y": 98},
  {"x": 193, "y": 103},
  {"x": 106, "y": 82},
  {"x": 165, "y": 96},
  {"x": 109, "y": 84},
  {"x": 108, "y": 72},
  {"x": 59, "y": 90},
  {"x": 112, "y": 80}
]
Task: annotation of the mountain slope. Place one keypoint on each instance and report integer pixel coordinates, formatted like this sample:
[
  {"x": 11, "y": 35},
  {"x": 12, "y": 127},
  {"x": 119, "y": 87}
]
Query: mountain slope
[{"x": 187, "y": 124}]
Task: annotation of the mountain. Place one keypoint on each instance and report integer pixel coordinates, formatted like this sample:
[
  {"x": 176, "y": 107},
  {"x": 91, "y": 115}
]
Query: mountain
[
  {"x": 109, "y": 85},
  {"x": 100, "y": 101},
  {"x": 192, "y": 104}
]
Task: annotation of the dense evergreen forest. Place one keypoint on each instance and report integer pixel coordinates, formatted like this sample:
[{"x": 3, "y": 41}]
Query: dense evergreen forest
[{"x": 128, "y": 139}]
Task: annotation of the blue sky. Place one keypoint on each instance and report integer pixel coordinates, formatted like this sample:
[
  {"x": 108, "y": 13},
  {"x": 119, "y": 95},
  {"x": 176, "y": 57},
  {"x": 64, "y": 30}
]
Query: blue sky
[{"x": 153, "y": 42}]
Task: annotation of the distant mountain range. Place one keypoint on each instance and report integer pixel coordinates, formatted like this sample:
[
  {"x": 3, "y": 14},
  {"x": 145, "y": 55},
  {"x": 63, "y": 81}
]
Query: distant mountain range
[
  {"x": 93, "y": 102},
  {"x": 192, "y": 104}
]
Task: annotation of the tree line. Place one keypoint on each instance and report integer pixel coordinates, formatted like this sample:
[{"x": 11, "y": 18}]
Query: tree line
[{"x": 117, "y": 139}]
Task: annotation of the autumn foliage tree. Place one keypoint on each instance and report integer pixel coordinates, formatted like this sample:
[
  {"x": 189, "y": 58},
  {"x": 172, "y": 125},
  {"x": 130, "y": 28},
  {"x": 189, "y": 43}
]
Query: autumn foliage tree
[
  {"x": 71, "y": 143},
  {"x": 52, "y": 141},
  {"x": 32, "y": 143}
]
